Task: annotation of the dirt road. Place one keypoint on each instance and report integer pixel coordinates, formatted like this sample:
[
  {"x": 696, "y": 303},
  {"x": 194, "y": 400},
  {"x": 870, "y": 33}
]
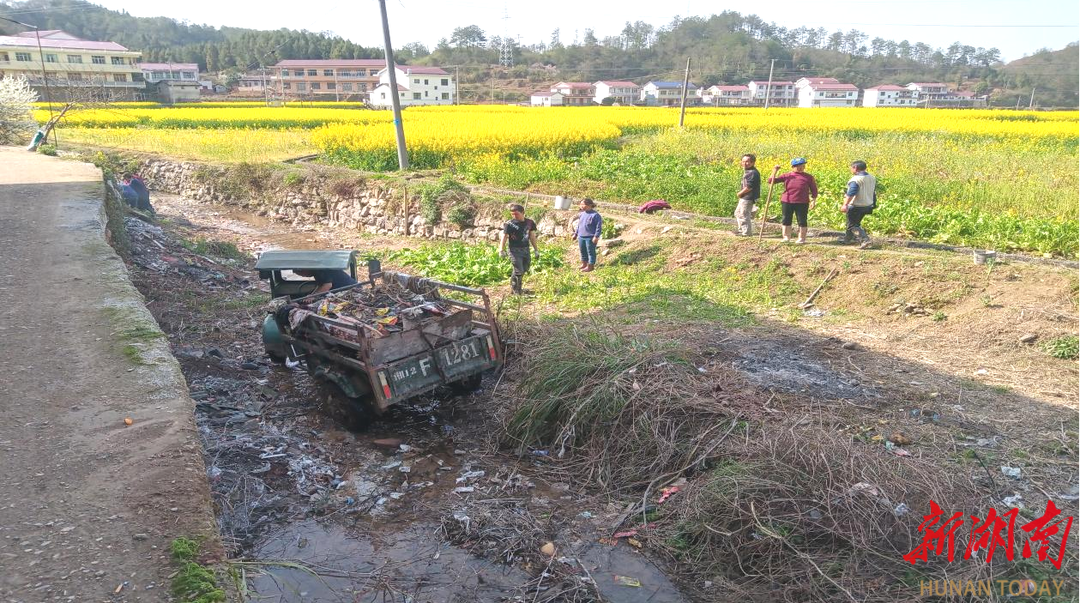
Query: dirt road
[{"x": 88, "y": 505}]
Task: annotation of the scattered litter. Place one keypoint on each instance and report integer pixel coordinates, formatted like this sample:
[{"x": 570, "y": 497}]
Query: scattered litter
[
  {"x": 464, "y": 490},
  {"x": 814, "y": 312},
  {"x": 539, "y": 453},
  {"x": 405, "y": 448},
  {"x": 1013, "y": 472},
  {"x": 387, "y": 442},
  {"x": 459, "y": 452},
  {"x": 982, "y": 372},
  {"x": 120, "y": 588},
  {"x": 128, "y": 421},
  {"x": 665, "y": 493},
  {"x": 901, "y": 510},
  {"x": 396, "y": 495},
  {"x": 585, "y": 515},
  {"x": 608, "y": 541},
  {"x": 864, "y": 488},
  {"x": 392, "y": 464},
  {"x": 470, "y": 475},
  {"x": 701, "y": 369},
  {"x": 548, "y": 549},
  {"x": 627, "y": 581},
  {"x": 634, "y": 542},
  {"x": 404, "y": 469},
  {"x": 1013, "y": 501},
  {"x": 899, "y": 439},
  {"x": 626, "y": 534}
]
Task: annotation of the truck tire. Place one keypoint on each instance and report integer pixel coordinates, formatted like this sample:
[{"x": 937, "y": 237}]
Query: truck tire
[
  {"x": 467, "y": 385},
  {"x": 276, "y": 359},
  {"x": 353, "y": 412}
]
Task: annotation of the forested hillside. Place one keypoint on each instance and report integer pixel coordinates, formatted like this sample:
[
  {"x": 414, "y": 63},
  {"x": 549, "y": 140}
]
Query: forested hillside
[
  {"x": 725, "y": 48},
  {"x": 164, "y": 39}
]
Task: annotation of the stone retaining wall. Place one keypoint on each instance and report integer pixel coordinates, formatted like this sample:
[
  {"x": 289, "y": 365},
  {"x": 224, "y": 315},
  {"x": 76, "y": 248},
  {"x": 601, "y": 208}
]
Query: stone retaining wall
[{"x": 310, "y": 195}]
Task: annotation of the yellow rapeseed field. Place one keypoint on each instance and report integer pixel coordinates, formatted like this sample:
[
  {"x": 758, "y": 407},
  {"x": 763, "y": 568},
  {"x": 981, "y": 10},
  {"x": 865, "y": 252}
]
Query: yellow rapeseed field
[{"x": 989, "y": 177}]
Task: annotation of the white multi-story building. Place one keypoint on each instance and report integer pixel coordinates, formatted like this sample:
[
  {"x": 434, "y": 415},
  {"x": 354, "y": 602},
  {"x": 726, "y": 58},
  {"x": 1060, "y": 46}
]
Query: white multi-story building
[
  {"x": 575, "y": 94},
  {"x": 416, "y": 86},
  {"x": 889, "y": 95},
  {"x": 781, "y": 94},
  {"x": 667, "y": 94},
  {"x": 74, "y": 68},
  {"x": 725, "y": 96},
  {"x": 826, "y": 92},
  {"x": 623, "y": 92},
  {"x": 177, "y": 72},
  {"x": 544, "y": 98},
  {"x": 939, "y": 95},
  {"x": 928, "y": 91}
]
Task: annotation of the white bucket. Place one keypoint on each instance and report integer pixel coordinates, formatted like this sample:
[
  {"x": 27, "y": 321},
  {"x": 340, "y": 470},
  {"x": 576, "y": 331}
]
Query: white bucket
[
  {"x": 562, "y": 203},
  {"x": 982, "y": 257}
]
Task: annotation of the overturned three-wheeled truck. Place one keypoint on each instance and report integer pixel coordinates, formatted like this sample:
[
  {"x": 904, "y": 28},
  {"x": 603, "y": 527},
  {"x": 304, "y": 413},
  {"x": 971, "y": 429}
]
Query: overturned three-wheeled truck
[{"x": 382, "y": 340}]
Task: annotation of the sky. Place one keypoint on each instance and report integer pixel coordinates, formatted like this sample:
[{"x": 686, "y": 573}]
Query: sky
[{"x": 1003, "y": 24}]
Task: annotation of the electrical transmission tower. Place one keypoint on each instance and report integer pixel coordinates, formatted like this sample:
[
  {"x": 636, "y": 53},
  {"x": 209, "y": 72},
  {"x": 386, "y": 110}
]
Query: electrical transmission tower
[{"x": 506, "y": 47}]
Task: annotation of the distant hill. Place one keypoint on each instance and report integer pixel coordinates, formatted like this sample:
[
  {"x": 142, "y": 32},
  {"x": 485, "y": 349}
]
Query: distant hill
[
  {"x": 1052, "y": 73},
  {"x": 162, "y": 39},
  {"x": 725, "y": 48}
]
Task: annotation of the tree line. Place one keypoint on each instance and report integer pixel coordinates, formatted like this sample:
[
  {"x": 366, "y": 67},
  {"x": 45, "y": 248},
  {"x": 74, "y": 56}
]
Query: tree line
[{"x": 726, "y": 48}]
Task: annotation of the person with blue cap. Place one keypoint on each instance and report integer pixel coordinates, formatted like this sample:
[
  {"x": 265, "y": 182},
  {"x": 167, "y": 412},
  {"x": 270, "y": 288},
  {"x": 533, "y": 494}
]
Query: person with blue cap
[{"x": 800, "y": 196}]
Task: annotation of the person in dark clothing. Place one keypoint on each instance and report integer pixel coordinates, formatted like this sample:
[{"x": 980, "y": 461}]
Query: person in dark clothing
[
  {"x": 519, "y": 233},
  {"x": 141, "y": 191},
  {"x": 747, "y": 196},
  {"x": 327, "y": 280}
]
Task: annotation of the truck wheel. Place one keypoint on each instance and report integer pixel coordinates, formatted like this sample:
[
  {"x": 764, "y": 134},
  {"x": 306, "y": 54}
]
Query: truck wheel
[
  {"x": 467, "y": 385},
  {"x": 275, "y": 358},
  {"x": 354, "y": 414}
]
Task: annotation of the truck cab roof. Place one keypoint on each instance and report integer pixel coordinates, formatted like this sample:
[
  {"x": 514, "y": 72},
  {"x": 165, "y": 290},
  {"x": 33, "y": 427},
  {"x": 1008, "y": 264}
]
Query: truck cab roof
[{"x": 305, "y": 260}]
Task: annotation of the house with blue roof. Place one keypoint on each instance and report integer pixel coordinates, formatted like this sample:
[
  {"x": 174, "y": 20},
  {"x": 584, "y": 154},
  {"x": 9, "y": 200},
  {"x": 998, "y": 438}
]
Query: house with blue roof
[{"x": 667, "y": 94}]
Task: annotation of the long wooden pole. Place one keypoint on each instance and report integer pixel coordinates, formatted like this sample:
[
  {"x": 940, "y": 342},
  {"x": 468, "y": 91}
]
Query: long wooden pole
[
  {"x": 768, "y": 199},
  {"x": 685, "y": 86}
]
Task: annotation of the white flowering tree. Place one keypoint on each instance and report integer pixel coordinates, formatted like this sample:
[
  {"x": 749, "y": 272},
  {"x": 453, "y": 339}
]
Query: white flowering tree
[{"x": 16, "y": 103}]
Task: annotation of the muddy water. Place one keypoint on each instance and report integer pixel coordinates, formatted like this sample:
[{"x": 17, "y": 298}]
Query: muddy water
[{"x": 409, "y": 564}]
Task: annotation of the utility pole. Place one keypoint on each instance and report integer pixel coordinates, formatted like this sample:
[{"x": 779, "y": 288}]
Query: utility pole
[
  {"x": 457, "y": 84},
  {"x": 685, "y": 85},
  {"x": 768, "y": 86},
  {"x": 1031, "y": 103},
  {"x": 395, "y": 100},
  {"x": 1018, "y": 102}
]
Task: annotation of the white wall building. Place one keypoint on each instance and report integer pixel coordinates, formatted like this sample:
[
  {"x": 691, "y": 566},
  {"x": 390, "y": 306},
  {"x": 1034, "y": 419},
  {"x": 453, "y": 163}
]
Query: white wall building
[
  {"x": 416, "y": 86},
  {"x": 667, "y": 94},
  {"x": 889, "y": 95},
  {"x": 543, "y": 98},
  {"x": 781, "y": 94},
  {"x": 157, "y": 72},
  {"x": 826, "y": 92},
  {"x": 725, "y": 96},
  {"x": 624, "y": 92}
]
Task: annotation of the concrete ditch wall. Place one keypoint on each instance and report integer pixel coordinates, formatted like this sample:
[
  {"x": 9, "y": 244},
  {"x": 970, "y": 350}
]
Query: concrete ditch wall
[{"x": 309, "y": 195}]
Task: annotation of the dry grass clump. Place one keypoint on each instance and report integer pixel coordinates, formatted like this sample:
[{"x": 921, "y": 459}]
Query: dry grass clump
[
  {"x": 619, "y": 410},
  {"x": 804, "y": 514}
]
